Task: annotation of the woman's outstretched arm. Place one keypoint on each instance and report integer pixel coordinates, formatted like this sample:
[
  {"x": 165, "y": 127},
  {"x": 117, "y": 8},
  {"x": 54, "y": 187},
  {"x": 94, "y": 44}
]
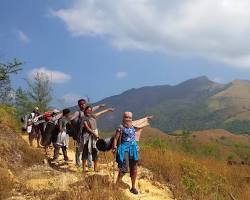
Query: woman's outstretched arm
[{"x": 104, "y": 111}]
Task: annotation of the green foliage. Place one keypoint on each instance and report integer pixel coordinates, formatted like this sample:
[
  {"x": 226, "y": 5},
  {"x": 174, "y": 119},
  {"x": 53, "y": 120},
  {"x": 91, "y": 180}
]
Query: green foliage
[
  {"x": 6, "y": 92},
  {"x": 8, "y": 116},
  {"x": 198, "y": 180},
  {"x": 243, "y": 151},
  {"x": 238, "y": 126},
  {"x": 10, "y": 68},
  {"x": 231, "y": 156},
  {"x": 157, "y": 142},
  {"x": 187, "y": 144},
  {"x": 211, "y": 150},
  {"x": 23, "y": 104},
  {"x": 38, "y": 94}
]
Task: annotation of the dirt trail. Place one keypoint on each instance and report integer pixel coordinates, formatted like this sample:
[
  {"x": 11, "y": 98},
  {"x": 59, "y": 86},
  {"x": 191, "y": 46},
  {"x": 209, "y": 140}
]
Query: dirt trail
[{"x": 62, "y": 174}]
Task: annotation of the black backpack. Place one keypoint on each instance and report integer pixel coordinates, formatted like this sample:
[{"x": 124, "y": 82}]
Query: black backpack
[{"x": 75, "y": 129}]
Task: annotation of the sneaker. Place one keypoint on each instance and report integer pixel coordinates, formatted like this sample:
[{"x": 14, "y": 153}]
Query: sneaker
[{"x": 134, "y": 191}]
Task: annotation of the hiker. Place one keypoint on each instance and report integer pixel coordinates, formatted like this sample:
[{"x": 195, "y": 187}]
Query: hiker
[
  {"x": 127, "y": 154},
  {"x": 62, "y": 138},
  {"x": 90, "y": 136},
  {"x": 49, "y": 126},
  {"x": 48, "y": 119},
  {"x": 77, "y": 118},
  {"x": 34, "y": 129}
]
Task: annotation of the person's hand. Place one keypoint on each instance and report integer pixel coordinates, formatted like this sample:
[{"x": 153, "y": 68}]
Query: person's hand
[
  {"x": 111, "y": 109},
  {"x": 114, "y": 150},
  {"x": 150, "y": 117}
]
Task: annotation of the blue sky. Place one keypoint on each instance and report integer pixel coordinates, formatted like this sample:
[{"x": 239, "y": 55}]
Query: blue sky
[{"x": 102, "y": 48}]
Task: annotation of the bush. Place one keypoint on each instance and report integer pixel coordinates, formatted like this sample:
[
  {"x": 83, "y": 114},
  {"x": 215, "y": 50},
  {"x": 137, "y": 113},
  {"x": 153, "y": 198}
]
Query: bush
[{"x": 199, "y": 181}]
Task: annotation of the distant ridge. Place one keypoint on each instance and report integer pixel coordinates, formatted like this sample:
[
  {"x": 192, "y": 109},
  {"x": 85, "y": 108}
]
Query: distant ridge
[{"x": 195, "y": 104}]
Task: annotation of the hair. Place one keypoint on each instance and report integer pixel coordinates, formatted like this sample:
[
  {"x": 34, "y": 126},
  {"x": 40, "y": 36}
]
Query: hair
[
  {"x": 87, "y": 107},
  {"x": 80, "y": 100},
  {"x": 66, "y": 111}
]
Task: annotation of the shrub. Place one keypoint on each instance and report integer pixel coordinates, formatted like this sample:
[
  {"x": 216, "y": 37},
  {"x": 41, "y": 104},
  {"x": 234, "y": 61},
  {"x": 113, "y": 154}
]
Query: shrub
[{"x": 199, "y": 181}]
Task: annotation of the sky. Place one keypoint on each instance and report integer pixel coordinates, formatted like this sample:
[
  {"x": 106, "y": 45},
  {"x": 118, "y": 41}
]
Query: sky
[{"x": 99, "y": 48}]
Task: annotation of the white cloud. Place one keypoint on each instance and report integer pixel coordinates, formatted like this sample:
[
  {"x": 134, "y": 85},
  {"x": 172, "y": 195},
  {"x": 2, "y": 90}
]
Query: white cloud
[
  {"x": 55, "y": 76},
  {"x": 214, "y": 29},
  {"x": 23, "y": 37},
  {"x": 121, "y": 75},
  {"x": 218, "y": 80}
]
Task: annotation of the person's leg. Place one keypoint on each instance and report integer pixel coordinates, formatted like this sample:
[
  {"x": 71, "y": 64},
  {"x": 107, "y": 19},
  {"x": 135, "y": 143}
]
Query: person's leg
[
  {"x": 31, "y": 139},
  {"x": 38, "y": 138},
  {"x": 56, "y": 152},
  {"x": 84, "y": 157},
  {"x": 133, "y": 175},
  {"x": 46, "y": 149},
  {"x": 123, "y": 168},
  {"x": 95, "y": 159},
  {"x": 64, "y": 150},
  {"x": 90, "y": 158},
  {"x": 78, "y": 154}
]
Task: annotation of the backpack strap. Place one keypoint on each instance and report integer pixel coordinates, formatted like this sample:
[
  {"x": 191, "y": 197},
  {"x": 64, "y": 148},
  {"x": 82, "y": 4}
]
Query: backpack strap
[{"x": 121, "y": 129}]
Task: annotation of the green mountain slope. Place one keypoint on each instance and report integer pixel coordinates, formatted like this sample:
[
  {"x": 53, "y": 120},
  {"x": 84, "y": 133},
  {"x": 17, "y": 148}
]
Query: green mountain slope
[{"x": 196, "y": 104}]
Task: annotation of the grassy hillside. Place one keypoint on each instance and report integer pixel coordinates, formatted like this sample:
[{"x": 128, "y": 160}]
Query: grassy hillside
[
  {"x": 16, "y": 155},
  {"x": 24, "y": 175},
  {"x": 196, "y": 104},
  {"x": 195, "y": 164},
  {"x": 216, "y": 144}
]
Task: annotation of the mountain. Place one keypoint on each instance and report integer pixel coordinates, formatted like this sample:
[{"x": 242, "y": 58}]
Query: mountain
[{"x": 195, "y": 104}]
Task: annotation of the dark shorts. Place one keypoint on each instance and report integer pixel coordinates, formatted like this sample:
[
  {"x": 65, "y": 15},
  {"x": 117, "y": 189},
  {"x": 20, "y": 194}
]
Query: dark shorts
[
  {"x": 35, "y": 133},
  {"x": 128, "y": 165},
  {"x": 85, "y": 153}
]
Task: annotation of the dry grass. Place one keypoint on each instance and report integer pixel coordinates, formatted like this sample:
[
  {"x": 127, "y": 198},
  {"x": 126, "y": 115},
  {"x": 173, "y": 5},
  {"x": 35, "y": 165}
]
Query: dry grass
[
  {"x": 94, "y": 187},
  {"x": 15, "y": 153},
  {"x": 194, "y": 178}
]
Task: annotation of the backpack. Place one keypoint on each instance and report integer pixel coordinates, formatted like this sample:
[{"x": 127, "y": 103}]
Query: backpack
[
  {"x": 55, "y": 133},
  {"x": 76, "y": 128}
]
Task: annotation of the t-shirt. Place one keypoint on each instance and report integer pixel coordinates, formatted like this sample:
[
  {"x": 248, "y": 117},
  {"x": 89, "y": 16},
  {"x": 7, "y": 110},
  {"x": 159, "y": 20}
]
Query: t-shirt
[
  {"x": 91, "y": 120},
  {"x": 128, "y": 134}
]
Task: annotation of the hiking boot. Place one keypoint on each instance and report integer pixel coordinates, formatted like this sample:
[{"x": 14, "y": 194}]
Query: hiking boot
[{"x": 134, "y": 191}]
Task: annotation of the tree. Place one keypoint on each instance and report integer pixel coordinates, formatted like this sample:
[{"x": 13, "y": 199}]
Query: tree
[
  {"x": 6, "y": 92},
  {"x": 38, "y": 93},
  {"x": 10, "y": 68},
  {"x": 23, "y": 104}
]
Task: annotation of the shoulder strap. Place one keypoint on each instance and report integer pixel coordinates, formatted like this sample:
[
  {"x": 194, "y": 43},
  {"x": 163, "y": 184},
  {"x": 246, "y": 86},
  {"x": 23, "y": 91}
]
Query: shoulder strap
[{"x": 121, "y": 128}]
